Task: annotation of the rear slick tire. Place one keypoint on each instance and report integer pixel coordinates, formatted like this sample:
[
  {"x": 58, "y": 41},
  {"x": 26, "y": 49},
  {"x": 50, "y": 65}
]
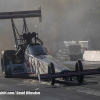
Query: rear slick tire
[{"x": 6, "y": 58}]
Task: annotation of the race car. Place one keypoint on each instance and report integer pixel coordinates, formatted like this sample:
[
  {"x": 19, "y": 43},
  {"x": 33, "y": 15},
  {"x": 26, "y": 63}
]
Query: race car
[{"x": 32, "y": 58}]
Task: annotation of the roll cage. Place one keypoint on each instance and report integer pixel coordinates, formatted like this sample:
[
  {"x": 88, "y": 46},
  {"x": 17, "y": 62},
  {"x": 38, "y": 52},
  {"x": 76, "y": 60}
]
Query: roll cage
[{"x": 26, "y": 37}]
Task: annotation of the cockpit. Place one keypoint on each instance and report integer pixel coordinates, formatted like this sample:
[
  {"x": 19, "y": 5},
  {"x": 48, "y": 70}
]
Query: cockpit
[{"x": 37, "y": 50}]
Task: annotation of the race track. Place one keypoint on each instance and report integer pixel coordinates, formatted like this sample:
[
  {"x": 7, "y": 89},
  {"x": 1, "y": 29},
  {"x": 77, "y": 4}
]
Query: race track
[{"x": 88, "y": 90}]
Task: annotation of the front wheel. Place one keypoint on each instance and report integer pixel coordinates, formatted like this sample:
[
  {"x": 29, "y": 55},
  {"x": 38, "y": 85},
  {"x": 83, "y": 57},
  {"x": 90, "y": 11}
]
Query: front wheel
[
  {"x": 78, "y": 67},
  {"x": 51, "y": 70}
]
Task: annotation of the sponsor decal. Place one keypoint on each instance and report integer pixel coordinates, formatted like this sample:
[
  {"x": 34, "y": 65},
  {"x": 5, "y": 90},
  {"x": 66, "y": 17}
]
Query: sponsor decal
[
  {"x": 46, "y": 76},
  {"x": 30, "y": 65},
  {"x": 18, "y": 69},
  {"x": 58, "y": 75},
  {"x": 36, "y": 65},
  {"x": 27, "y": 64}
]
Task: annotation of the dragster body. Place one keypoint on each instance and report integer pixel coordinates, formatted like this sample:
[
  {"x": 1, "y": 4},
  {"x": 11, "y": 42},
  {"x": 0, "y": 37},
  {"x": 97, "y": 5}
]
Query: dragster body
[{"x": 34, "y": 64}]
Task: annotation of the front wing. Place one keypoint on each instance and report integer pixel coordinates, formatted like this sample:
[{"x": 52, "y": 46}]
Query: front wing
[{"x": 70, "y": 74}]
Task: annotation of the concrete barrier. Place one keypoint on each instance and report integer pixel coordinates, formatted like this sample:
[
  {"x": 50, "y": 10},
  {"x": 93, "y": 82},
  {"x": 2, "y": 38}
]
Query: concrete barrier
[
  {"x": 91, "y": 56},
  {"x": 97, "y": 57}
]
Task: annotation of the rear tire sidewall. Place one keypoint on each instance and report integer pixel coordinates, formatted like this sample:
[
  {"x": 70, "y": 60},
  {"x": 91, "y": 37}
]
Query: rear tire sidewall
[
  {"x": 6, "y": 58},
  {"x": 2, "y": 67}
]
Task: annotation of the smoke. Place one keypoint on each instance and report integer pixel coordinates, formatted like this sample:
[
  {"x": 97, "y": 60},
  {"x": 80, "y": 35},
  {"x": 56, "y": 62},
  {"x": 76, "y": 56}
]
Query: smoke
[{"x": 61, "y": 20}]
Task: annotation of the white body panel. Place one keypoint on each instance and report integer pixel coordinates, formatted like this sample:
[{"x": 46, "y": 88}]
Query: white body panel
[{"x": 37, "y": 64}]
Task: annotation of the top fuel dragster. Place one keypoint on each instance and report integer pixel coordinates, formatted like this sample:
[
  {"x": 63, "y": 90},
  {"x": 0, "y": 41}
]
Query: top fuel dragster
[{"x": 32, "y": 58}]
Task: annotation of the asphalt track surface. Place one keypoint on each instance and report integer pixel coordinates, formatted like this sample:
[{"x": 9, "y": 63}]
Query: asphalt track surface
[{"x": 70, "y": 90}]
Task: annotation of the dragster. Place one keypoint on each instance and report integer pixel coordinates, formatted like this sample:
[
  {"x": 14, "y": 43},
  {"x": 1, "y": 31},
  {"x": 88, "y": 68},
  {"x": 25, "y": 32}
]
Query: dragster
[{"x": 32, "y": 58}]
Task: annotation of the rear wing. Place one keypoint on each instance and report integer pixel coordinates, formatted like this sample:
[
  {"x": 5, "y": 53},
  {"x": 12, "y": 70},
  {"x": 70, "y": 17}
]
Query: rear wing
[{"x": 21, "y": 14}]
